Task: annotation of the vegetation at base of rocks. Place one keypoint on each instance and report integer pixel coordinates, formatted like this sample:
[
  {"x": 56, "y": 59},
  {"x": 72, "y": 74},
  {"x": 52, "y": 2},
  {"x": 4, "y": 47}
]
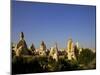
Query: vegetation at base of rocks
[
  {"x": 22, "y": 65},
  {"x": 38, "y": 64},
  {"x": 87, "y": 59}
]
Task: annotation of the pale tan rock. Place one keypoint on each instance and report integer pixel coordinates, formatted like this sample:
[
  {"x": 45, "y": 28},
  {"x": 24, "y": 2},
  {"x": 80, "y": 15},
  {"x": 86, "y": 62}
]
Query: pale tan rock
[
  {"x": 70, "y": 50},
  {"x": 42, "y": 50},
  {"x": 21, "y": 47},
  {"x": 54, "y": 53}
]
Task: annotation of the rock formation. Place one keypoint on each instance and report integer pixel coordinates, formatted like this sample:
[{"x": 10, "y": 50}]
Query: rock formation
[
  {"x": 71, "y": 50},
  {"x": 54, "y": 52},
  {"x": 32, "y": 49},
  {"x": 21, "y": 47},
  {"x": 42, "y": 51}
]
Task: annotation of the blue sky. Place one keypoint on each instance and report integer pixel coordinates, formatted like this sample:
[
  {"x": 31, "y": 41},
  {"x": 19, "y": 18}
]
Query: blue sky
[{"x": 53, "y": 23}]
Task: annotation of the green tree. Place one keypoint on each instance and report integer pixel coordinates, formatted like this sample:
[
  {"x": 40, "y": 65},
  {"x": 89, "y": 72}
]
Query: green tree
[{"x": 86, "y": 56}]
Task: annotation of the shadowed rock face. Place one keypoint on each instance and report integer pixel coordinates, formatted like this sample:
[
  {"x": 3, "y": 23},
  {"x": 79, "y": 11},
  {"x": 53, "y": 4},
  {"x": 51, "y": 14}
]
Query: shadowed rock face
[
  {"x": 43, "y": 46},
  {"x": 22, "y": 43},
  {"x": 22, "y": 46},
  {"x": 42, "y": 51},
  {"x": 21, "y": 35},
  {"x": 32, "y": 48}
]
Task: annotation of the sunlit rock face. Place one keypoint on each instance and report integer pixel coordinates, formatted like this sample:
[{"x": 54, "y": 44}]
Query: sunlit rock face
[
  {"x": 78, "y": 47},
  {"x": 42, "y": 50},
  {"x": 21, "y": 47},
  {"x": 69, "y": 45},
  {"x": 19, "y": 51},
  {"x": 54, "y": 53},
  {"x": 70, "y": 50},
  {"x": 77, "y": 44}
]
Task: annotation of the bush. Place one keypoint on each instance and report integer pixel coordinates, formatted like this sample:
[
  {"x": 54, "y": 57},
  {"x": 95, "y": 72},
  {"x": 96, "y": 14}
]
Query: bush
[
  {"x": 86, "y": 56},
  {"x": 20, "y": 66}
]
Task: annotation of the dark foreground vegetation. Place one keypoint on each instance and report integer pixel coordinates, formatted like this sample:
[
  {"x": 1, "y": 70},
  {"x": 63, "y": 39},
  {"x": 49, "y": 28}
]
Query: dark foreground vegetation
[{"x": 36, "y": 64}]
